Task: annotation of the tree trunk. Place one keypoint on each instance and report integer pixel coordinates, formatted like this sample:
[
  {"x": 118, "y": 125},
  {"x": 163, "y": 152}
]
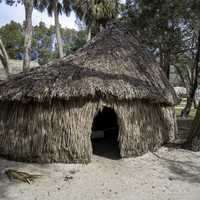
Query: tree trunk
[
  {"x": 89, "y": 34},
  {"x": 185, "y": 112},
  {"x": 58, "y": 33},
  {"x": 4, "y": 58},
  {"x": 185, "y": 81},
  {"x": 190, "y": 99},
  {"x": 28, "y": 4},
  {"x": 166, "y": 64},
  {"x": 193, "y": 141},
  {"x": 101, "y": 28},
  {"x": 195, "y": 103}
]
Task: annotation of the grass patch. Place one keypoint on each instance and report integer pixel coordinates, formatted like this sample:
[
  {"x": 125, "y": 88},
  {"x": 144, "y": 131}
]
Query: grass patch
[
  {"x": 180, "y": 107},
  {"x": 191, "y": 115}
]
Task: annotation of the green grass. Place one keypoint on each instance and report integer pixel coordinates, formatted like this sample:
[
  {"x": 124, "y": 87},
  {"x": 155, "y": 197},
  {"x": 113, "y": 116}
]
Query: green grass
[
  {"x": 191, "y": 115},
  {"x": 180, "y": 107}
]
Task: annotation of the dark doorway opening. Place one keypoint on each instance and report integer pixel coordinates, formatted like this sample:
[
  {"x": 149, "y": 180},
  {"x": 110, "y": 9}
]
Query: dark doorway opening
[{"x": 105, "y": 131}]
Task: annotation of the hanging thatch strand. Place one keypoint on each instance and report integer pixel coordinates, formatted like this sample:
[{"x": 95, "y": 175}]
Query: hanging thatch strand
[
  {"x": 60, "y": 131},
  {"x": 47, "y": 113}
]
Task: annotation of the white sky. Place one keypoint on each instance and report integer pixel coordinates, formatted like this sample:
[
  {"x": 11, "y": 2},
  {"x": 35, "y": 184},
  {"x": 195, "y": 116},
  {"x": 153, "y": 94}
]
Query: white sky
[{"x": 16, "y": 13}]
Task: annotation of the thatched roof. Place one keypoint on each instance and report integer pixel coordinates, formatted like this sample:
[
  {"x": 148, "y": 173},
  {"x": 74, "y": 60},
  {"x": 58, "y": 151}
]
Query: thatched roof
[{"x": 112, "y": 65}]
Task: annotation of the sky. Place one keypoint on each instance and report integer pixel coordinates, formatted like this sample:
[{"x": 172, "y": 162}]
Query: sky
[{"x": 16, "y": 13}]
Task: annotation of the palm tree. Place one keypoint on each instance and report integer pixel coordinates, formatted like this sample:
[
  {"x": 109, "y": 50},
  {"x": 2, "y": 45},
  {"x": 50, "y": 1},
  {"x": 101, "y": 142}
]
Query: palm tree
[
  {"x": 28, "y": 5},
  {"x": 96, "y": 13},
  {"x": 55, "y": 8}
]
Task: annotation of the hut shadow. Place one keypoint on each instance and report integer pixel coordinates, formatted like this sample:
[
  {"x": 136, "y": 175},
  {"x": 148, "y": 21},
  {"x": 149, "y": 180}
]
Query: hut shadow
[
  {"x": 105, "y": 132},
  {"x": 187, "y": 171},
  {"x": 105, "y": 149}
]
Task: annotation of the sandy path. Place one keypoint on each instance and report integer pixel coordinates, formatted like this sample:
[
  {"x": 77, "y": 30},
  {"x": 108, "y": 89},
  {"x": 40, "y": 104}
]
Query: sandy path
[{"x": 169, "y": 174}]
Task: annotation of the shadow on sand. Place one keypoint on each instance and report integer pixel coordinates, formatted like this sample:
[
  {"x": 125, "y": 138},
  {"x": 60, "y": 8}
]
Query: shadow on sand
[{"x": 187, "y": 170}]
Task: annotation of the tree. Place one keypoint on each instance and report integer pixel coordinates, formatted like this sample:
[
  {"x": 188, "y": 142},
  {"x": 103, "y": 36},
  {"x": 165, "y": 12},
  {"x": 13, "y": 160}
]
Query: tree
[
  {"x": 187, "y": 62},
  {"x": 55, "y": 7},
  {"x": 187, "y": 70},
  {"x": 96, "y": 13},
  {"x": 194, "y": 22},
  {"x": 79, "y": 41},
  {"x": 159, "y": 24},
  {"x": 193, "y": 80},
  {"x": 42, "y": 43},
  {"x": 28, "y": 5},
  {"x": 12, "y": 38},
  {"x": 169, "y": 28},
  {"x": 4, "y": 58},
  {"x": 193, "y": 141}
]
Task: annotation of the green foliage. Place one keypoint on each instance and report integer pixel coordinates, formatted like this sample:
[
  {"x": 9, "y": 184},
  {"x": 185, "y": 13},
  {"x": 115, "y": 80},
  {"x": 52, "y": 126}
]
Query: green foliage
[
  {"x": 180, "y": 107},
  {"x": 80, "y": 40},
  {"x": 171, "y": 29},
  {"x": 50, "y": 5},
  {"x": 12, "y": 37},
  {"x": 96, "y": 13},
  {"x": 166, "y": 26},
  {"x": 158, "y": 22},
  {"x": 45, "y": 38},
  {"x": 43, "y": 41},
  {"x": 73, "y": 39}
]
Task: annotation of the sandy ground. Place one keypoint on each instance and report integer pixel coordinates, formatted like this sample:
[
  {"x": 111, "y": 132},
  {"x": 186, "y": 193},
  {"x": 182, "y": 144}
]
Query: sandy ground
[{"x": 168, "y": 174}]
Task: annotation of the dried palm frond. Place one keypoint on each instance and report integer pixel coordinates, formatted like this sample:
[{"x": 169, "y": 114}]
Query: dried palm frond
[{"x": 21, "y": 176}]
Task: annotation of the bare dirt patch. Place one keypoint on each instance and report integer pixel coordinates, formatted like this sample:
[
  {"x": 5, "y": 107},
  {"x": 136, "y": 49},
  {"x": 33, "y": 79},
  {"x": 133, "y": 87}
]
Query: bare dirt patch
[{"x": 168, "y": 174}]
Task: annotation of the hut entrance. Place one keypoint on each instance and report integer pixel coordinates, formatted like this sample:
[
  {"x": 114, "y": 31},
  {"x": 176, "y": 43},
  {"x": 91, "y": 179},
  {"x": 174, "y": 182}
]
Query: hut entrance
[{"x": 105, "y": 131}]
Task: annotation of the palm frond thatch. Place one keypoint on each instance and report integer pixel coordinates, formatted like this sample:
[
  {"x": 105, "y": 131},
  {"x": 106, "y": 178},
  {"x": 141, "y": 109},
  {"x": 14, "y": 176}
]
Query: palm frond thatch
[
  {"x": 47, "y": 113},
  {"x": 113, "y": 64}
]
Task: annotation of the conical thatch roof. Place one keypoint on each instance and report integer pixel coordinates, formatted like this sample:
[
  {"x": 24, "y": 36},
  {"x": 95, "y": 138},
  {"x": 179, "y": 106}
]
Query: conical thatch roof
[{"x": 112, "y": 65}]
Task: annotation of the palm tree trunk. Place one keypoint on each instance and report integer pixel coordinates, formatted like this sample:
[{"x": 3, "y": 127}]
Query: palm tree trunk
[
  {"x": 4, "y": 58},
  {"x": 28, "y": 4},
  {"x": 58, "y": 33}
]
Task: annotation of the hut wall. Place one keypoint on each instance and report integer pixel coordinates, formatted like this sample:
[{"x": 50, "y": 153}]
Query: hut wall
[
  {"x": 60, "y": 131},
  {"x": 56, "y": 132},
  {"x": 144, "y": 127}
]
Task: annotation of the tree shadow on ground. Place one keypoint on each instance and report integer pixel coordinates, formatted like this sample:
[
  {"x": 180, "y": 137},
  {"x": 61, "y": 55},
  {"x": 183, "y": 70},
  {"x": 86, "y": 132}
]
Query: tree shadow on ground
[{"x": 186, "y": 170}]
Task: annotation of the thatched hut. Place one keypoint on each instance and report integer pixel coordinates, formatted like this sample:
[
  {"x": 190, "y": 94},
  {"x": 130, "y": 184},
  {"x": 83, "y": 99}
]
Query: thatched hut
[{"x": 48, "y": 113}]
